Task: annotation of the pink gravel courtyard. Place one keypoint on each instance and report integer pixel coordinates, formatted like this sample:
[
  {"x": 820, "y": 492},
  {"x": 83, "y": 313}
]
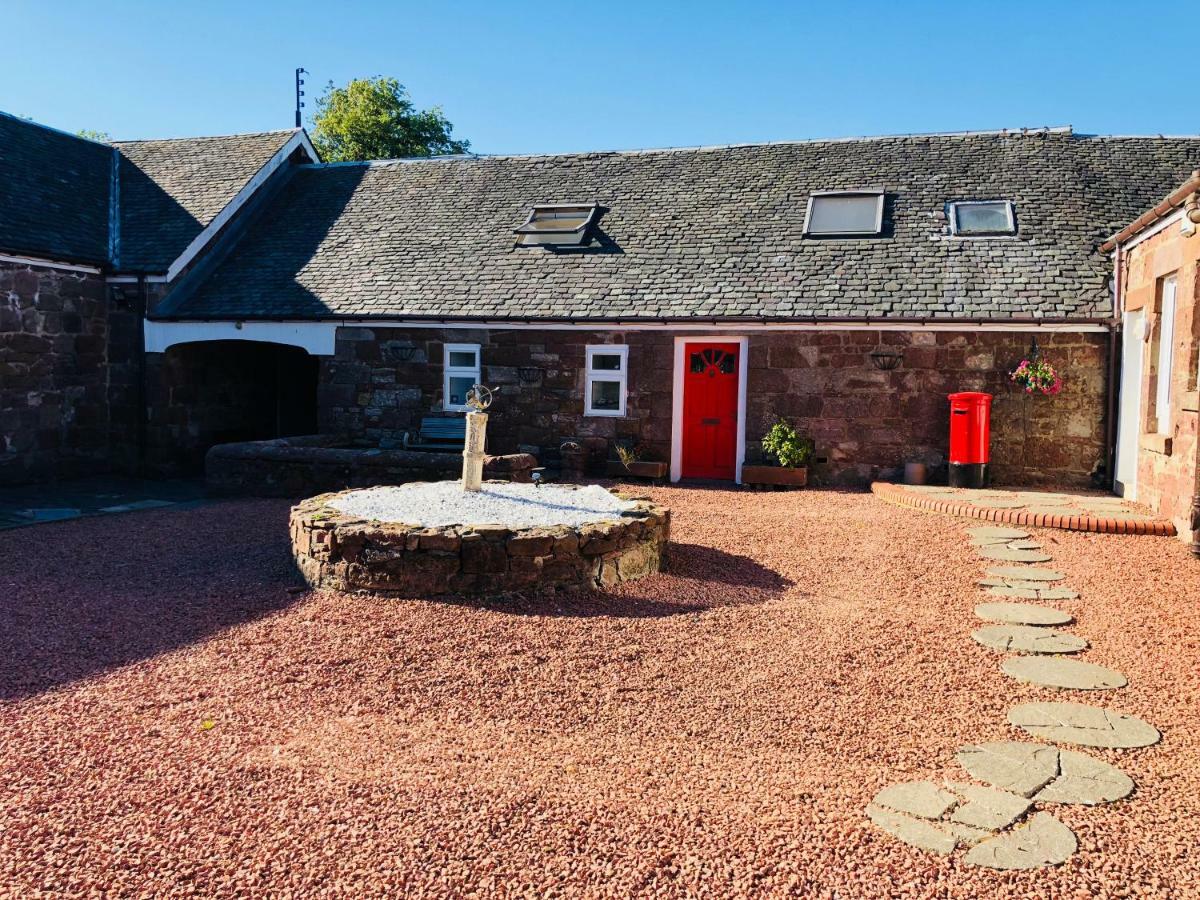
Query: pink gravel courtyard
[{"x": 180, "y": 716}]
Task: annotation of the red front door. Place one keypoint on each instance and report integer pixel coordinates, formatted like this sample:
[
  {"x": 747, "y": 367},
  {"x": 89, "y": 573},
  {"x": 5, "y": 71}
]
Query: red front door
[{"x": 710, "y": 408}]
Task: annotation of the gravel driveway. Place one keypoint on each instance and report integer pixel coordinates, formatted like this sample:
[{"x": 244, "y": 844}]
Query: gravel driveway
[{"x": 178, "y": 716}]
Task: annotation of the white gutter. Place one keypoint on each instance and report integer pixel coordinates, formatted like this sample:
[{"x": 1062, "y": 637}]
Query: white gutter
[{"x": 48, "y": 264}]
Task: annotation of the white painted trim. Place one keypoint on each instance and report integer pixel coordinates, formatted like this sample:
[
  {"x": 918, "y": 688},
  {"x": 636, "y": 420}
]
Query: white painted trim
[
  {"x": 621, "y": 377},
  {"x": 133, "y": 279},
  {"x": 48, "y": 264},
  {"x": 297, "y": 140},
  {"x": 698, "y": 327},
  {"x": 681, "y": 342},
  {"x": 316, "y": 338}
]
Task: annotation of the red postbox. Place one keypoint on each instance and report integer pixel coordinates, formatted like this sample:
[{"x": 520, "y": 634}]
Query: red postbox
[{"x": 970, "y": 438}]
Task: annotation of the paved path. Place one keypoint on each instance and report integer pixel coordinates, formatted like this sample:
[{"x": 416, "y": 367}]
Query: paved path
[
  {"x": 1002, "y": 825},
  {"x": 53, "y": 502}
]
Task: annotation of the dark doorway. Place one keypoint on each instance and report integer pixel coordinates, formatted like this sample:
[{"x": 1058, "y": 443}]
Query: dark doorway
[{"x": 219, "y": 392}]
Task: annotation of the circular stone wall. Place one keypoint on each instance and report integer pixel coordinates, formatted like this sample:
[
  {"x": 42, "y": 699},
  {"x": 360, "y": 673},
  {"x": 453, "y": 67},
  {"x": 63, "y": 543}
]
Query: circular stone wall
[{"x": 347, "y": 552}]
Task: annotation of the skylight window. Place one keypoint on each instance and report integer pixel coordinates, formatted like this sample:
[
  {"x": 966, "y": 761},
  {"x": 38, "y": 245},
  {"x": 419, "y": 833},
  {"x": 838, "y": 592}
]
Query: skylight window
[
  {"x": 560, "y": 224},
  {"x": 844, "y": 213},
  {"x": 972, "y": 218}
]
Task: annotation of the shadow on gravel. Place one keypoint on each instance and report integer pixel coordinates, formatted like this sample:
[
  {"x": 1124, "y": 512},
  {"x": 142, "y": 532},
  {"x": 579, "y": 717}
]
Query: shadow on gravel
[
  {"x": 697, "y": 578},
  {"x": 80, "y": 598}
]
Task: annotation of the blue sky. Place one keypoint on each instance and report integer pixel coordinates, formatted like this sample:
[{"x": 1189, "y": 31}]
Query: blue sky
[{"x": 548, "y": 76}]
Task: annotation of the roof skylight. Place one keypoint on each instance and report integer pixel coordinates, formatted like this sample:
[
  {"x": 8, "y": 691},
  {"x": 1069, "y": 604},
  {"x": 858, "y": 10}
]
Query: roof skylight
[
  {"x": 557, "y": 224},
  {"x": 844, "y": 213},
  {"x": 972, "y": 218}
]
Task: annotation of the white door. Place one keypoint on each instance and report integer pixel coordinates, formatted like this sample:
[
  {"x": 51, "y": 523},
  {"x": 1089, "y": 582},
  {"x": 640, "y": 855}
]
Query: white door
[{"x": 1129, "y": 403}]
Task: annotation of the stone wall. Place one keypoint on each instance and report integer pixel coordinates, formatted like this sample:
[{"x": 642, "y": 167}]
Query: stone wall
[
  {"x": 866, "y": 423},
  {"x": 1166, "y": 472},
  {"x": 54, "y": 378}
]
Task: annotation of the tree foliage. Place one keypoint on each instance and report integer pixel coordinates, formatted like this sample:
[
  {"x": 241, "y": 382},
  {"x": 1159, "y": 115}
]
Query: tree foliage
[
  {"x": 93, "y": 135},
  {"x": 373, "y": 118}
]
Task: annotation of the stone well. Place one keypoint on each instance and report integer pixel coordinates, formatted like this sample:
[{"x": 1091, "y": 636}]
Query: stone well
[{"x": 349, "y": 553}]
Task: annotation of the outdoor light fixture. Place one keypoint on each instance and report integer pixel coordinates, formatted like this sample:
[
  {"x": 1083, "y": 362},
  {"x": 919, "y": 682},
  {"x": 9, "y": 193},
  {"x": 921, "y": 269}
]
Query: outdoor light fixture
[
  {"x": 886, "y": 358},
  {"x": 530, "y": 374}
]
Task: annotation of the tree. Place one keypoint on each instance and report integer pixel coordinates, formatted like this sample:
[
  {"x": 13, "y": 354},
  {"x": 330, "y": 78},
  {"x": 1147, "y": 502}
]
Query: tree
[
  {"x": 92, "y": 135},
  {"x": 373, "y": 118}
]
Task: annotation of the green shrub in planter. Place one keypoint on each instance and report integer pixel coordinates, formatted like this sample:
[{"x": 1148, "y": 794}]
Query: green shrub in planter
[{"x": 786, "y": 446}]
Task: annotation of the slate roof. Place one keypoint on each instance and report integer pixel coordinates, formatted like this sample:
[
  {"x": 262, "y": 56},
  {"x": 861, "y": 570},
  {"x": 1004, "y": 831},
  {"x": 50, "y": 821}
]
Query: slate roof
[
  {"x": 172, "y": 189},
  {"x": 53, "y": 193},
  {"x": 702, "y": 233}
]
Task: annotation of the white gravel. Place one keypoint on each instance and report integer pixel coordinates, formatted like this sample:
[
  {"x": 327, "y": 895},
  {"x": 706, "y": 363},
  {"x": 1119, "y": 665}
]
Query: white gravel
[{"x": 515, "y": 505}]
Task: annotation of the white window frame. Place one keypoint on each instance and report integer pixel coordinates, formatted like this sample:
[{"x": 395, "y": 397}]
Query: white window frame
[
  {"x": 1008, "y": 209},
  {"x": 1166, "y": 356},
  {"x": 621, "y": 377},
  {"x": 449, "y": 371},
  {"x": 877, "y": 193}
]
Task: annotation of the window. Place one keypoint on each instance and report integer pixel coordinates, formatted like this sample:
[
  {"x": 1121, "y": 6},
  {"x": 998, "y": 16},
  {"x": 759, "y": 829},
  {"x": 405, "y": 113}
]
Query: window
[
  {"x": 561, "y": 224},
  {"x": 461, "y": 373},
  {"x": 844, "y": 213},
  {"x": 971, "y": 218},
  {"x": 604, "y": 386},
  {"x": 1165, "y": 357}
]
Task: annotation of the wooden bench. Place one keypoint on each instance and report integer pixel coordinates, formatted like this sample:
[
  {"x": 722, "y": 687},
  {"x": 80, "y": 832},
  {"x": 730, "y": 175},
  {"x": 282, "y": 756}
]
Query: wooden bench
[{"x": 446, "y": 434}]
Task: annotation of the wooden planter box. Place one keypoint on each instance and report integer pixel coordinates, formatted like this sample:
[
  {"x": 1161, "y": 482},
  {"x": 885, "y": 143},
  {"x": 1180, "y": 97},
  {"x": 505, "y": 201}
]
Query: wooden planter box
[
  {"x": 618, "y": 469},
  {"x": 775, "y": 476}
]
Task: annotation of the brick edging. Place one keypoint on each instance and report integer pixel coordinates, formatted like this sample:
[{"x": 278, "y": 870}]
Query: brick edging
[{"x": 895, "y": 493}]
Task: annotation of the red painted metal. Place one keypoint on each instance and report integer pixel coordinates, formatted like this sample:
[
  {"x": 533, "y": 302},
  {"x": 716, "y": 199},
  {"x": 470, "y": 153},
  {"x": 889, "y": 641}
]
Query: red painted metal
[
  {"x": 970, "y": 427},
  {"x": 710, "y": 407}
]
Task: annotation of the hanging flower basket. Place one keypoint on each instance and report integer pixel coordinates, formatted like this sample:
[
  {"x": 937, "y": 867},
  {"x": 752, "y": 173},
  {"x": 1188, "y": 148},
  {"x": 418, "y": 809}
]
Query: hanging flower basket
[{"x": 1036, "y": 376}]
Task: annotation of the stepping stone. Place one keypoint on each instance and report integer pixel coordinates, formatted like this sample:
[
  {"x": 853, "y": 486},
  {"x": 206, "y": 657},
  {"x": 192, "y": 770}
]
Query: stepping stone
[
  {"x": 1042, "y": 841},
  {"x": 1018, "y": 592},
  {"x": 989, "y": 542},
  {"x": 1021, "y": 614},
  {"x": 1028, "y": 639},
  {"x": 992, "y": 582},
  {"x": 1027, "y": 585},
  {"x": 1071, "y": 674},
  {"x": 1025, "y": 545},
  {"x": 1025, "y": 573},
  {"x": 916, "y": 798},
  {"x": 916, "y": 832},
  {"x": 990, "y": 531},
  {"x": 1014, "y": 766},
  {"x": 1044, "y": 773},
  {"x": 986, "y": 808},
  {"x": 1088, "y": 726},
  {"x": 1009, "y": 555},
  {"x": 1086, "y": 780},
  {"x": 1057, "y": 594}
]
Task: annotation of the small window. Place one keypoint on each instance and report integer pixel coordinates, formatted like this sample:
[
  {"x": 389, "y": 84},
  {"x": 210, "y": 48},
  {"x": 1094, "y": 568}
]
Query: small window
[
  {"x": 605, "y": 384},
  {"x": 1166, "y": 357},
  {"x": 972, "y": 218},
  {"x": 461, "y": 373},
  {"x": 562, "y": 224},
  {"x": 845, "y": 213}
]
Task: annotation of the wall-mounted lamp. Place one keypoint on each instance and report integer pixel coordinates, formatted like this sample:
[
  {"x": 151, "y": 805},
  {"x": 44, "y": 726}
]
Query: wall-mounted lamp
[
  {"x": 886, "y": 358},
  {"x": 530, "y": 374}
]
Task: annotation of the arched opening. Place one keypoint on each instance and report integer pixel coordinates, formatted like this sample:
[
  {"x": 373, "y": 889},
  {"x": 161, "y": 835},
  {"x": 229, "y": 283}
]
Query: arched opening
[{"x": 219, "y": 392}]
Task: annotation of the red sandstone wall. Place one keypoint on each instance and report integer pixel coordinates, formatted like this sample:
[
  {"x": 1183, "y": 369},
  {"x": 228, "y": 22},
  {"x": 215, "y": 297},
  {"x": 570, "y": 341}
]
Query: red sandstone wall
[
  {"x": 1167, "y": 464},
  {"x": 54, "y": 378},
  {"x": 866, "y": 423}
]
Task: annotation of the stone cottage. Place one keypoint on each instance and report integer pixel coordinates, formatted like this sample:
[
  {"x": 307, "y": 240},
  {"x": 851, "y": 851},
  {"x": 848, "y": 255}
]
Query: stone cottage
[{"x": 159, "y": 297}]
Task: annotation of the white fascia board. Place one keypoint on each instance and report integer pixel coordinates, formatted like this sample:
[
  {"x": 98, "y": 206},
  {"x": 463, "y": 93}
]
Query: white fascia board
[
  {"x": 299, "y": 139},
  {"x": 133, "y": 279},
  {"x": 316, "y": 338},
  {"x": 725, "y": 326},
  {"x": 48, "y": 264}
]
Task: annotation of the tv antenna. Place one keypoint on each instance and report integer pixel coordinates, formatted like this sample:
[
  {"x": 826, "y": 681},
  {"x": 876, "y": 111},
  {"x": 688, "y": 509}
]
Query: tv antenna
[{"x": 299, "y": 93}]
